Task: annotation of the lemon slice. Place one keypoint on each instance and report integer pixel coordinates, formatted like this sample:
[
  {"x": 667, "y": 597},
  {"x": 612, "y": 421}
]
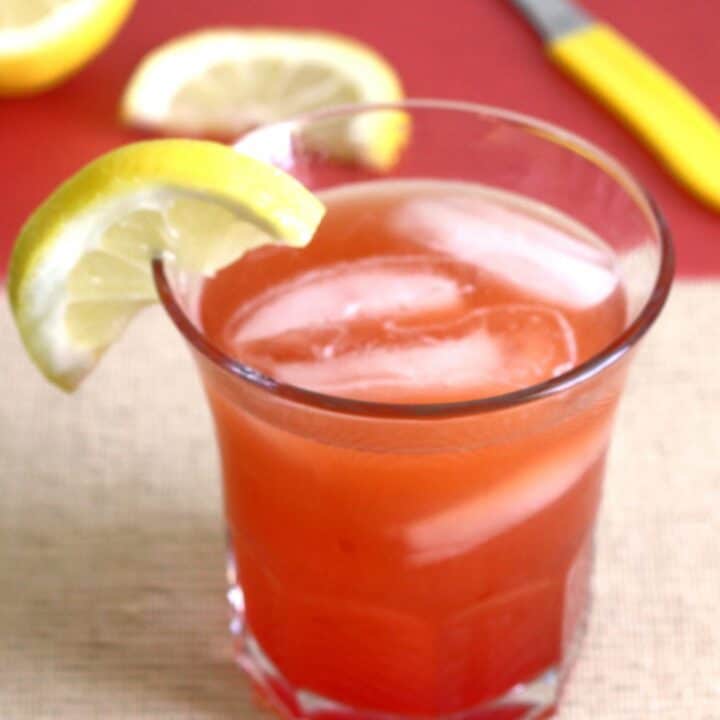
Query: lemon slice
[
  {"x": 81, "y": 266},
  {"x": 44, "y": 41},
  {"x": 223, "y": 82}
]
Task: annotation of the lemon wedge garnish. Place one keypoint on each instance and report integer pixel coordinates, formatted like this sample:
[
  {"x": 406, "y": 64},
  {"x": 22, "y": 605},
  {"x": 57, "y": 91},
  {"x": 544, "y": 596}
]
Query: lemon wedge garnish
[
  {"x": 44, "y": 41},
  {"x": 81, "y": 266},
  {"x": 220, "y": 83}
]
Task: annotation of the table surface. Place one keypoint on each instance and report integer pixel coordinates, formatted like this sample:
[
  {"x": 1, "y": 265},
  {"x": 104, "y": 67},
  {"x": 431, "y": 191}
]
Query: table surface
[
  {"x": 480, "y": 50},
  {"x": 111, "y": 558},
  {"x": 110, "y": 532}
]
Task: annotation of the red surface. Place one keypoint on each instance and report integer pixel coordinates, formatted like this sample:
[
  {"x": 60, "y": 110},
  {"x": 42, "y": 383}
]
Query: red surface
[{"x": 479, "y": 50}]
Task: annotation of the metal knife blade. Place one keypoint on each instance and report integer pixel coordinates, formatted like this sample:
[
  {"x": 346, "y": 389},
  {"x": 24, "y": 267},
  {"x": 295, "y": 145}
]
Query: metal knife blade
[{"x": 553, "y": 18}]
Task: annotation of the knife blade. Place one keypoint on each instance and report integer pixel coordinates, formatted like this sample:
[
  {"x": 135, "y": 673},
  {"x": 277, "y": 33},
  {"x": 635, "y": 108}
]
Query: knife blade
[
  {"x": 673, "y": 123},
  {"x": 553, "y": 18}
]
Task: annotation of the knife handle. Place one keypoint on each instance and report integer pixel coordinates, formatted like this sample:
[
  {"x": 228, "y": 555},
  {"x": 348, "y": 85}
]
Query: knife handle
[{"x": 676, "y": 126}]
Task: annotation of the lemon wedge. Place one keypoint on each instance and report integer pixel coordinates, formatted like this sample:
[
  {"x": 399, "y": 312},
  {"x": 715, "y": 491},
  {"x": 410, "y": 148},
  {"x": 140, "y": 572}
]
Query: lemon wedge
[
  {"x": 81, "y": 266},
  {"x": 220, "y": 83},
  {"x": 44, "y": 41}
]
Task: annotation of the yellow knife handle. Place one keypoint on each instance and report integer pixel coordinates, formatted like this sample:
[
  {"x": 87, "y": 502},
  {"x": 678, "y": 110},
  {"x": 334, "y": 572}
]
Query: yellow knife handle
[{"x": 676, "y": 126}]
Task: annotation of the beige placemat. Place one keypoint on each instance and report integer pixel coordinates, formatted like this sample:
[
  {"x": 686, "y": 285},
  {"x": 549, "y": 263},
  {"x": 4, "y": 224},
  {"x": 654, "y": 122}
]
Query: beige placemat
[{"x": 111, "y": 556}]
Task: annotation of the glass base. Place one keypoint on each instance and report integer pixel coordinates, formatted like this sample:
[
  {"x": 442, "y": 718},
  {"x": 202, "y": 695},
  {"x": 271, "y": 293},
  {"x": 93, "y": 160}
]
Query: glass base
[{"x": 533, "y": 700}]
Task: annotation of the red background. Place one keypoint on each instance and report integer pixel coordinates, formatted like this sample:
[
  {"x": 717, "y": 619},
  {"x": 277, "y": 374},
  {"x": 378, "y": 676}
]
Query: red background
[{"x": 480, "y": 50}]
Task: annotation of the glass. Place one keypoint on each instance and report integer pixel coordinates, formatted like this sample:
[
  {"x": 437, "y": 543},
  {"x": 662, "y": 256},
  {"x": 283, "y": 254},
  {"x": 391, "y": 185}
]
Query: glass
[{"x": 392, "y": 561}]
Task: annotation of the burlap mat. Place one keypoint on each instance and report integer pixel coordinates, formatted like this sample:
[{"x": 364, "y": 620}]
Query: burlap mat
[{"x": 111, "y": 556}]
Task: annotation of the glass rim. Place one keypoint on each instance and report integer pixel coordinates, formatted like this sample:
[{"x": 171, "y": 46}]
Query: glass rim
[{"x": 594, "y": 365}]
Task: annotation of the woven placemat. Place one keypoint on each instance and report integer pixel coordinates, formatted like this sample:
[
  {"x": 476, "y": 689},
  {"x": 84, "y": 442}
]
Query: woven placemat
[{"x": 111, "y": 555}]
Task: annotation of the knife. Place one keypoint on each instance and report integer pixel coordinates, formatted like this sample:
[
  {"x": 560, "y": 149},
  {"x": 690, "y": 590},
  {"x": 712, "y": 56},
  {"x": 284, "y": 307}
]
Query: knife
[{"x": 675, "y": 125}]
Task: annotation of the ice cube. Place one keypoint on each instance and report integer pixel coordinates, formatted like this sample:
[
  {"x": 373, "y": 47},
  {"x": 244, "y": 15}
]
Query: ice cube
[
  {"x": 529, "y": 253},
  {"x": 485, "y": 352},
  {"x": 370, "y": 287},
  {"x": 499, "y": 506}
]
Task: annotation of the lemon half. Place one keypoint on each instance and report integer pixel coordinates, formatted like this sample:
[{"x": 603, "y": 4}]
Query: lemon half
[
  {"x": 220, "y": 83},
  {"x": 44, "y": 41}
]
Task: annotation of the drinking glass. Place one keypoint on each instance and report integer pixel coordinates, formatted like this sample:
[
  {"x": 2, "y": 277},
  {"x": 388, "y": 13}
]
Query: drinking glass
[{"x": 396, "y": 561}]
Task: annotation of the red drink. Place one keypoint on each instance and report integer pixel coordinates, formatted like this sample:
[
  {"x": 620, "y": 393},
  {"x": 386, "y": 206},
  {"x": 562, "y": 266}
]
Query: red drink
[{"x": 420, "y": 566}]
